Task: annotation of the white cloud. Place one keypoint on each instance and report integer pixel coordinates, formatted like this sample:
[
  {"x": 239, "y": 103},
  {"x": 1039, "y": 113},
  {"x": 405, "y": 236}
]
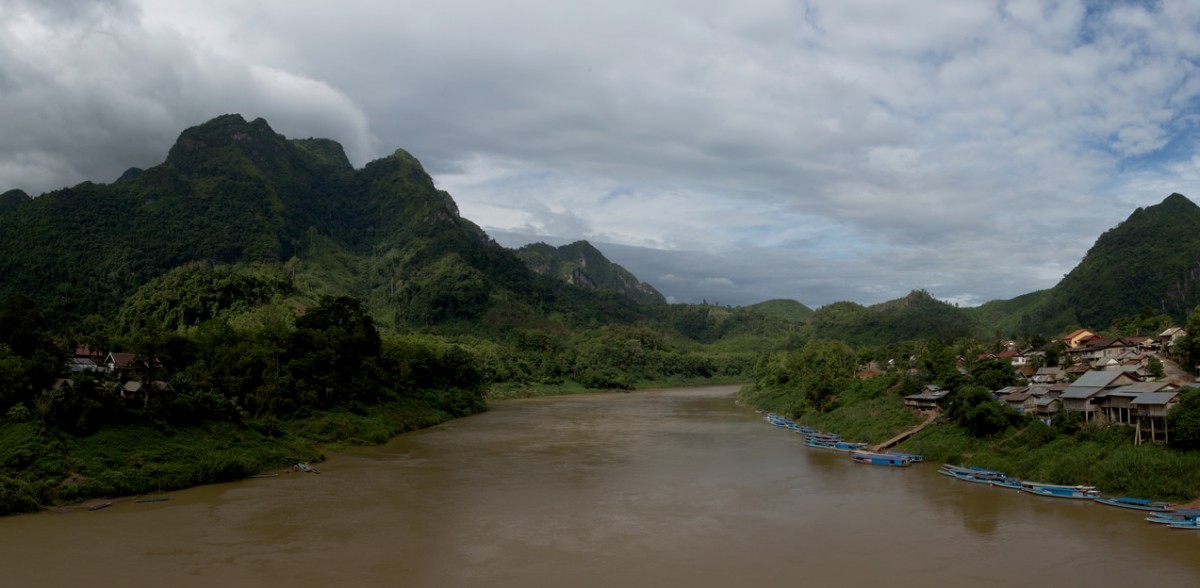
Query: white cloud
[{"x": 819, "y": 150}]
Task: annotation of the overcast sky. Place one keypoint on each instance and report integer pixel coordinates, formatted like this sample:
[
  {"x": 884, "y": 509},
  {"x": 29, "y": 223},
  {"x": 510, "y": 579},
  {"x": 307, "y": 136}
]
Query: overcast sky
[{"x": 728, "y": 151}]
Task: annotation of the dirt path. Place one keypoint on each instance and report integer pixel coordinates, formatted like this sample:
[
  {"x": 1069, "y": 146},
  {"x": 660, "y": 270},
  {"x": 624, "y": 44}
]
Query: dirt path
[{"x": 906, "y": 434}]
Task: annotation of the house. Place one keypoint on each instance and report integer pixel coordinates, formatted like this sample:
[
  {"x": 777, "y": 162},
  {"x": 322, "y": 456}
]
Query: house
[
  {"x": 1169, "y": 337},
  {"x": 134, "y": 389},
  {"x": 1077, "y": 337},
  {"x": 1080, "y": 396},
  {"x": 1045, "y": 407},
  {"x": 1115, "y": 404},
  {"x": 83, "y": 364},
  {"x": 1150, "y": 410},
  {"x": 930, "y": 398},
  {"x": 1098, "y": 348},
  {"x": 1046, "y": 375},
  {"x": 1020, "y": 401},
  {"x": 114, "y": 362}
]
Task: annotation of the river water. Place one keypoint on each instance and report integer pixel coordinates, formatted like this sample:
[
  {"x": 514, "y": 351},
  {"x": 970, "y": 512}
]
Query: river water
[{"x": 660, "y": 488}]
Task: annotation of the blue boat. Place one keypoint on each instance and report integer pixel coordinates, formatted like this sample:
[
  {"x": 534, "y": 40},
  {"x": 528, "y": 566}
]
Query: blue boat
[
  {"x": 834, "y": 445},
  {"x": 972, "y": 474},
  {"x": 886, "y": 459},
  {"x": 1182, "y": 515},
  {"x": 911, "y": 456},
  {"x": 1009, "y": 483},
  {"x": 1136, "y": 504},
  {"x": 1061, "y": 491}
]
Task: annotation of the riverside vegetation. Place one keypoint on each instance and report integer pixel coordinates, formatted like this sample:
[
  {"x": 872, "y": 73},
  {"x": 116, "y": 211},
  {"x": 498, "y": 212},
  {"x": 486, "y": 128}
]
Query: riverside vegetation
[
  {"x": 279, "y": 301},
  {"x": 818, "y": 385}
]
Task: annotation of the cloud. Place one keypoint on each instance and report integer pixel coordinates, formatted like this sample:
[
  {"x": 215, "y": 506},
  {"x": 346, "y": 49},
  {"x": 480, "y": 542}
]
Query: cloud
[
  {"x": 93, "y": 90},
  {"x": 817, "y": 150}
]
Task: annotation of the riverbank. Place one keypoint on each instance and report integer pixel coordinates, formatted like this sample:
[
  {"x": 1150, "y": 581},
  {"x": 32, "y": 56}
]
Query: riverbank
[
  {"x": 871, "y": 411},
  {"x": 56, "y": 470}
]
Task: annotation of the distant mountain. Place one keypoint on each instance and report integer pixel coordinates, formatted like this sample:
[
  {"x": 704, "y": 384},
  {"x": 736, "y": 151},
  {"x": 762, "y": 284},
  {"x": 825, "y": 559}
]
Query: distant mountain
[
  {"x": 916, "y": 316},
  {"x": 782, "y": 309},
  {"x": 232, "y": 192},
  {"x": 1148, "y": 263},
  {"x": 582, "y": 265},
  {"x": 12, "y": 199}
]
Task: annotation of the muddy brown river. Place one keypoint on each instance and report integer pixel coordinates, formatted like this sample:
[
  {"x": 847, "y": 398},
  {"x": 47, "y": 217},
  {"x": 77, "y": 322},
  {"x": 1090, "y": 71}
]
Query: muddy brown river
[{"x": 661, "y": 488}]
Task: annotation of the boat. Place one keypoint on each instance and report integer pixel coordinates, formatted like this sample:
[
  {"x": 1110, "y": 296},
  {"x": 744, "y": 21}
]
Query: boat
[
  {"x": 911, "y": 457},
  {"x": 304, "y": 467},
  {"x": 1136, "y": 504},
  {"x": 834, "y": 445},
  {"x": 1061, "y": 491},
  {"x": 1009, "y": 483},
  {"x": 1032, "y": 485},
  {"x": 1182, "y": 515},
  {"x": 151, "y": 499},
  {"x": 100, "y": 506},
  {"x": 265, "y": 475},
  {"x": 972, "y": 474},
  {"x": 887, "y": 459},
  {"x": 1193, "y": 525}
]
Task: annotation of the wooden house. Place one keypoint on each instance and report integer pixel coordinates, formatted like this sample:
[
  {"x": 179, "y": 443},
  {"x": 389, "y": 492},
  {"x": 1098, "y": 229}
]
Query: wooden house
[
  {"x": 1150, "y": 410},
  {"x": 930, "y": 398},
  {"x": 1081, "y": 395}
]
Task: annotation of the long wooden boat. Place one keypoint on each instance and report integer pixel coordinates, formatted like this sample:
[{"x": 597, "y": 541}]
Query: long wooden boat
[
  {"x": 1136, "y": 504},
  {"x": 151, "y": 499},
  {"x": 1190, "y": 525},
  {"x": 1033, "y": 485},
  {"x": 885, "y": 459},
  {"x": 1181, "y": 515},
  {"x": 1057, "y": 491},
  {"x": 973, "y": 474},
  {"x": 834, "y": 445},
  {"x": 100, "y": 506},
  {"x": 1009, "y": 483}
]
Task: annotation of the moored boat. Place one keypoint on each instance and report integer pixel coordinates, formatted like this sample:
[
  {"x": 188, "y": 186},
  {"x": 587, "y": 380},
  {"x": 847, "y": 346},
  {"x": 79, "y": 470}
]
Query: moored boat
[
  {"x": 1136, "y": 504},
  {"x": 834, "y": 445},
  {"x": 1182, "y": 515},
  {"x": 972, "y": 474},
  {"x": 1061, "y": 491},
  {"x": 1009, "y": 483},
  {"x": 100, "y": 506},
  {"x": 886, "y": 459}
]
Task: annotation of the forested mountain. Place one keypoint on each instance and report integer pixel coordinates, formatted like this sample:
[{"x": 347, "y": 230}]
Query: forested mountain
[
  {"x": 580, "y": 264},
  {"x": 12, "y": 199},
  {"x": 1148, "y": 263},
  {"x": 236, "y": 192},
  {"x": 916, "y": 316}
]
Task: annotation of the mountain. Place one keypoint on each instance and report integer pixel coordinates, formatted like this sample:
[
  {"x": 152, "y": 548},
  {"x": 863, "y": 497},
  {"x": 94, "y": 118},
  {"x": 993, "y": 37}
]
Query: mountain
[
  {"x": 782, "y": 309},
  {"x": 916, "y": 316},
  {"x": 232, "y": 192},
  {"x": 582, "y": 265},
  {"x": 11, "y": 199},
  {"x": 1149, "y": 263}
]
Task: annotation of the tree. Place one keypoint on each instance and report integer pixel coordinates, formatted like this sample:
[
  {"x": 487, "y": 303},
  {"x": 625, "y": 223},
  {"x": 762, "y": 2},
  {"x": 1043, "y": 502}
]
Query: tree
[
  {"x": 973, "y": 408},
  {"x": 1184, "y": 420},
  {"x": 993, "y": 374},
  {"x": 1187, "y": 348}
]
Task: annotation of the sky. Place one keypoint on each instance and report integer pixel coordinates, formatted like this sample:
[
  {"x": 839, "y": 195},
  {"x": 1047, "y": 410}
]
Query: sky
[{"x": 722, "y": 151}]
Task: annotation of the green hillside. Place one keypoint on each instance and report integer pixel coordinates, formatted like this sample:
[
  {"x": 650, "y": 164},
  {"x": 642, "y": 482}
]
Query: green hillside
[
  {"x": 1148, "y": 263},
  {"x": 582, "y": 265}
]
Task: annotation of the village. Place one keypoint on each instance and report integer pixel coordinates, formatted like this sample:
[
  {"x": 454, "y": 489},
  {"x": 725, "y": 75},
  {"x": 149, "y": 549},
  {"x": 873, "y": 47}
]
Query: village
[{"x": 1107, "y": 380}]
